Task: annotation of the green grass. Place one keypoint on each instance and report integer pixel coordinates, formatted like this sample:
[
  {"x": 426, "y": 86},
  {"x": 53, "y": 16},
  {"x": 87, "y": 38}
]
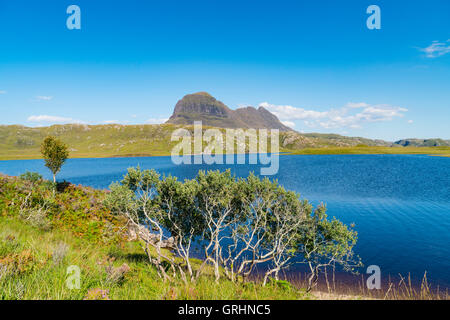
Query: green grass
[
  {"x": 103, "y": 141},
  {"x": 45, "y": 280},
  {"x": 437, "y": 151},
  {"x": 17, "y": 142},
  {"x": 78, "y": 222},
  {"x": 98, "y": 141}
]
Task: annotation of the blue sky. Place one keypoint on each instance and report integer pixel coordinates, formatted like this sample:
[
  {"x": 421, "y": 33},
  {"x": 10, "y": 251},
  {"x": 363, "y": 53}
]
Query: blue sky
[{"x": 313, "y": 63}]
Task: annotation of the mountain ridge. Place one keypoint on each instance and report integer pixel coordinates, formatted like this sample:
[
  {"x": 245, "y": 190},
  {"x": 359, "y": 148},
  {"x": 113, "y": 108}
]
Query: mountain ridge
[
  {"x": 202, "y": 106},
  {"x": 414, "y": 142}
]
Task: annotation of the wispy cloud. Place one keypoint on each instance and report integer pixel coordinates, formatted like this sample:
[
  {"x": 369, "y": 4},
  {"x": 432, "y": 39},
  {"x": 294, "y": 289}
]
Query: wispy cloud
[
  {"x": 116, "y": 122},
  {"x": 436, "y": 49},
  {"x": 49, "y": 119},
  {"x": 352, "y": 115},
  {"x": 44, "y": 98},
  {"x": 3, "y": 92},
  {"x": 156, "y": 121},
  {"x": 52, "y": 119},
  {"x": 290, "y": 124}
]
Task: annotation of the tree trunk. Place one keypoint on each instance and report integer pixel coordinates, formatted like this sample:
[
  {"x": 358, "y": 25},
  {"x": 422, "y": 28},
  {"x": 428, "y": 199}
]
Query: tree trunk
[
  {"x": 312, "y": 280},
  {"x": 54, "y": 185}
]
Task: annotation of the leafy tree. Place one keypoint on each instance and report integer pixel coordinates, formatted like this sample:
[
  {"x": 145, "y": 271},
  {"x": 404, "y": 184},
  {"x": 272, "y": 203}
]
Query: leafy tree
[
  {"x": 134, "y": 198},
  {"x": 219, "y": 204},
  {"x": 55, "y": 153},
  {"x": 237, "y": 223},
  {"x": 324, "y": 242},
  {"x": 182, "y": 219},
  {"x": 265, "y": 229}
]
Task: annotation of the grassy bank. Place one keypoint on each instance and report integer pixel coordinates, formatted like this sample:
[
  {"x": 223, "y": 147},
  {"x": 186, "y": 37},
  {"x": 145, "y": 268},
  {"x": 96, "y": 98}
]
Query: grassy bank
[
  {"x": 42, "y": 271},
  {"x": 436, "y": 151},
  {"x": 432, "y": 151},
  {"x": 36, "y": 250}
]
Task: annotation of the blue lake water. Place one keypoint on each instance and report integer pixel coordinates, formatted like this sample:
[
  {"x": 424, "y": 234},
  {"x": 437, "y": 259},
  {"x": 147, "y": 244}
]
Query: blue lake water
[{"x": 400, "y": 204}]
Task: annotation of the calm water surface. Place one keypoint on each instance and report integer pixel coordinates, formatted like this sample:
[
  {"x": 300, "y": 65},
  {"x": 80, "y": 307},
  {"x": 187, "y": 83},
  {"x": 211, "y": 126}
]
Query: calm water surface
[{"x": 399, "y": 203}]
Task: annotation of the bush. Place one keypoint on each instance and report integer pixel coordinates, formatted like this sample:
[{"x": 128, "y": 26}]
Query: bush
[
  {"x": 32, "y": 177},
  {"x": 238, "y": 224},
  {"x": 79, "y": 210},
  {"x": 97, "y": 294}
]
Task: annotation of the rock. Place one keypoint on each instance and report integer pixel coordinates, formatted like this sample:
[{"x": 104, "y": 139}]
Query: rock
[{"x": 141, "y": 232}]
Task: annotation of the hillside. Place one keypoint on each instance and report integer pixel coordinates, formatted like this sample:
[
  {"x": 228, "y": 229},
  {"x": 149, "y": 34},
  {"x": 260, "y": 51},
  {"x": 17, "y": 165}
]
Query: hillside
[
  {"x": 42, "y": 234},
  {"x": 19, "y": 142},
  {"x": 203, "y": 107},
  {"x": 423, "y": 143}
]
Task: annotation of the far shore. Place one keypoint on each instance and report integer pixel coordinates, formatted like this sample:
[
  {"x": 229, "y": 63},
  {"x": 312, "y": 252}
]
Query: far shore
[{"x": 363, "y": 150}]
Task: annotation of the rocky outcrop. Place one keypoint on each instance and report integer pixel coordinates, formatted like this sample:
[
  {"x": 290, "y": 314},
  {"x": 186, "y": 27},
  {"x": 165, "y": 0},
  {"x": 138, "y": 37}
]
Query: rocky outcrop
[
  {"x": 203, "y": 107},
  {"x": 423, "y": 143},
  {"x": 141, "y": 232}
]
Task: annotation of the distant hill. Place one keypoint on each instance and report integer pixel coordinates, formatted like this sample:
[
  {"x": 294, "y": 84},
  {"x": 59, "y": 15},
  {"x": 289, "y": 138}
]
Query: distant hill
[
  {"x": 295, "y": 141},
  {"x": 203, "y": 107},
  {"x": 114, "y": 140},
  {"x": 19, "y": 142},
  {"x": 423, "y": 143}
]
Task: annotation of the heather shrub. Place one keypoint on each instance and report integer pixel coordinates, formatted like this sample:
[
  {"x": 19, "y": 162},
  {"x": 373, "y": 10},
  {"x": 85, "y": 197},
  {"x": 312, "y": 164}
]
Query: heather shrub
[
  {"x": 59, "y": 253},
  {"x": 32, "y": 177},
  {"x": 97, "y": 294}
]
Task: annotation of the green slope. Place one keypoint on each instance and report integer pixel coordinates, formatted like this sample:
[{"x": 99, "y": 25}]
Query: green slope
[{"x": 19, "y": 142}]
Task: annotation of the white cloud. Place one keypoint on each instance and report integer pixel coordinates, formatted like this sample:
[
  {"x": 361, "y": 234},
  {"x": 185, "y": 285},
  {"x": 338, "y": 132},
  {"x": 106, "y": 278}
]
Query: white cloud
[
  {"x": 156, "y": 121},
  {"x": 290, "y": 124},
  {"x": 355, "y": 105},
  {"x": 410, "y": 121},
  {"x": 2, "y": 92},
  {"x": 436, "y": 49},
  {"x": 289, "y": 112},
  {"x": 116, "y": 122},
  {"x": 52, "y": 119},
  {"x": 352, "y": 115},
  {"x": 44, "y": 98}
]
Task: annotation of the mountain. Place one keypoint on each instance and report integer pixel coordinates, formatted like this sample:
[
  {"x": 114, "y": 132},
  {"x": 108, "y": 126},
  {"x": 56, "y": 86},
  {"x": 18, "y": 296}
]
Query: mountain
[
  {"x": 423, "y": 143},
  {"x": 201, "y": 106}
]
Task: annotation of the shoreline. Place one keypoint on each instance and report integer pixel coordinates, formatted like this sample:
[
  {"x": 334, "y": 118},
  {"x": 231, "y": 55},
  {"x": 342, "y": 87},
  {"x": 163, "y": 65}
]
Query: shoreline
[{"x": 430, "y": 151}]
